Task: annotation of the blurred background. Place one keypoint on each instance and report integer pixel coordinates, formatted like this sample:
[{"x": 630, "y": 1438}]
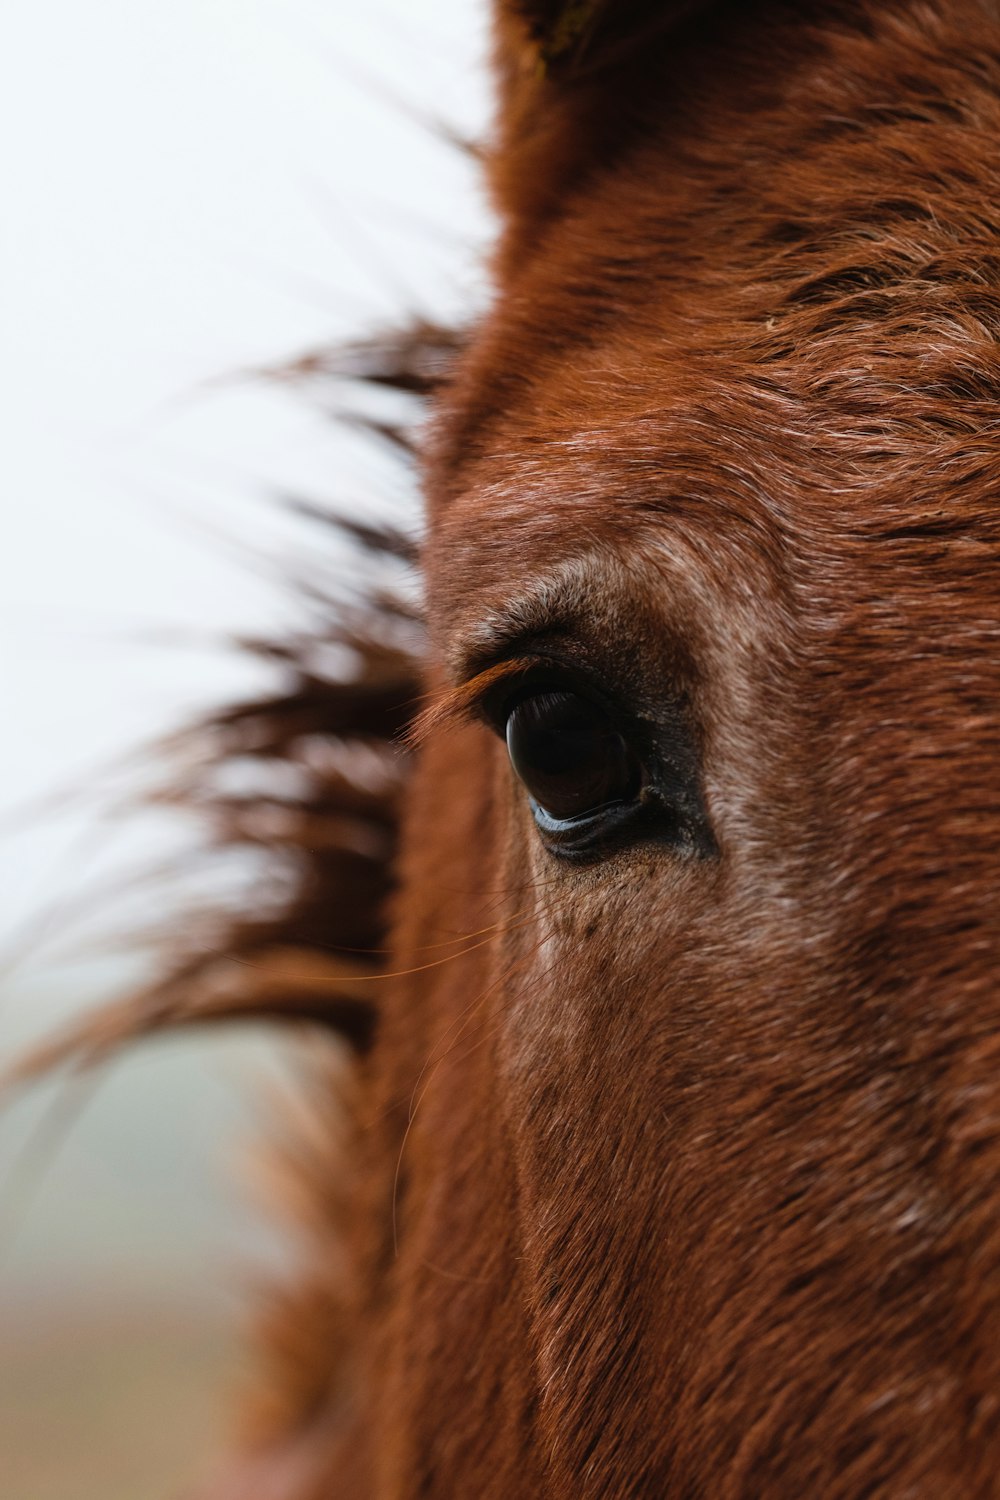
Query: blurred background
[{"x": 194, "y": 194}]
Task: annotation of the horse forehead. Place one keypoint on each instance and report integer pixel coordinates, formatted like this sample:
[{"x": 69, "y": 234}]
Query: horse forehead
[
  {"x": 762, "y": 433},
  {"x": 606, "y": 448},
  {"x": 724, "y": 519},
  {"x": 770, "y": 414}
]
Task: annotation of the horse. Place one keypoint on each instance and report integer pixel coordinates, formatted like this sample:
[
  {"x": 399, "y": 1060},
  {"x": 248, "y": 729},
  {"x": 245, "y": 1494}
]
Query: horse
[{"x": 644, "y": 925}]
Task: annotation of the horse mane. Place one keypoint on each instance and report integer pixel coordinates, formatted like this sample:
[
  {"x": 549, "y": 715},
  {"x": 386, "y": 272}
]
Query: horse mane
[
  {"x": 326, "y": 758},
  {"x": 327, "y": 761}
]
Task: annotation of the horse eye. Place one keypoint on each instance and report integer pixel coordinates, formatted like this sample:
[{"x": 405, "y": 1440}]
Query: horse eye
[{"x": 570, "y": 757}]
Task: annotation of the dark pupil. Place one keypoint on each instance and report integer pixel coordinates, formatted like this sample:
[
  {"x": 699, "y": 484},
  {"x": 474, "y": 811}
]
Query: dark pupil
[{"x": 569, "y": 755}]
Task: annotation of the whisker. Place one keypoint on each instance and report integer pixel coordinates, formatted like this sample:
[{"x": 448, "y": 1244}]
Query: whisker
[{"x": 417, "y": 1099}]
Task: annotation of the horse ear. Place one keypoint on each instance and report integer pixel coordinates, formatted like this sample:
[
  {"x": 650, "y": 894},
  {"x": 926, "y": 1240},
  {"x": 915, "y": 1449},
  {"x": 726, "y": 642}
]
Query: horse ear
[
  {"x": 566, "y": 71},
  {"x": 571, "y": 35},
  {"x": 551, "y": 30}
]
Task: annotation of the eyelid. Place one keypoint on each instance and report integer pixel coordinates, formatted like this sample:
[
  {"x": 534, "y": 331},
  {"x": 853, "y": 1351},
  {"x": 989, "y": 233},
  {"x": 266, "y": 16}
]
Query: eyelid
[
  {"x": 497, "y": 700},
  {"x": 469, "y": 700}
]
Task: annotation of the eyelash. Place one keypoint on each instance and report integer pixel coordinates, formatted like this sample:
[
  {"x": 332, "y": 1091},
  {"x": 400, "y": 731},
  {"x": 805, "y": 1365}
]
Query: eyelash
[{"x": 497, "y": 699}]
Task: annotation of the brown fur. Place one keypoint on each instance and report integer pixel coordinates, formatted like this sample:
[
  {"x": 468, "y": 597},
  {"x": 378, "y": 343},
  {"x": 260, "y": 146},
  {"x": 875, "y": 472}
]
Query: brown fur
[{"x": 678, "y": 1176}]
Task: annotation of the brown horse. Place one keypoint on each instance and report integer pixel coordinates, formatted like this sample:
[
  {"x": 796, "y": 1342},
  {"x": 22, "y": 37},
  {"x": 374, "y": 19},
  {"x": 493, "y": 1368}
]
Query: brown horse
[{"x": 666, "y": 1159}]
